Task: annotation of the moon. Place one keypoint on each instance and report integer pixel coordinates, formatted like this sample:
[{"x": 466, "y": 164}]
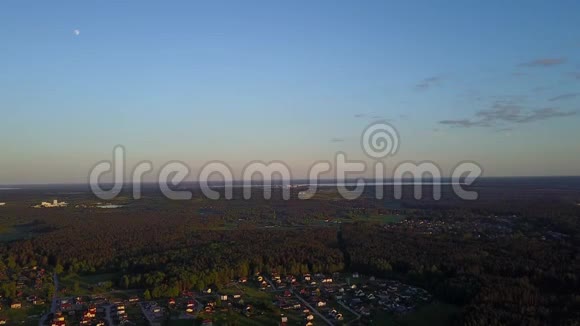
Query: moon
[{"x": 77, "y": 32}]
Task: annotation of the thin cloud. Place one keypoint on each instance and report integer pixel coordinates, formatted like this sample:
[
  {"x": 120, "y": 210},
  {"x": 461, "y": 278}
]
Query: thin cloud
[
  {"x": 337, "y": 140},
  {"x": 501, "y": 114},
  {"x": 508, "y": 99},
  {"x": 428, "y": 83},
  {"x": 545, "y": 114},
  {"x": 464, "y": 123},
  {"x": 564, "y": 97},
  {"x": 359, "y": 115},
  {"x": 544, "y": 62},
  {"x": 539, "y": 89}
]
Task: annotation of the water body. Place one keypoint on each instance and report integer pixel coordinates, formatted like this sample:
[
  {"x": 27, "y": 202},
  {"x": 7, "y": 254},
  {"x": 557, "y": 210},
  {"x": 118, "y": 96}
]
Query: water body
[{"x": 110, "y": 206}]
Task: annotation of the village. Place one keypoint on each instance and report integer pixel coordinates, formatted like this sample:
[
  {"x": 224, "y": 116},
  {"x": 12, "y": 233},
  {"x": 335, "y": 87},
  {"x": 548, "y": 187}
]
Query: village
[{"x": 266, "y": 298}]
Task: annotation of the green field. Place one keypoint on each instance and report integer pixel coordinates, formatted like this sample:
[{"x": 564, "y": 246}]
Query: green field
[
  {"x": 26, "y": 316},
  {"x": 433, "y": 314},
  {"x": 384, "y": 219},
  {"x": 85, "y": 284},
  {"x": 181, "y": 322},
  {"x": 15, "y": 232}
]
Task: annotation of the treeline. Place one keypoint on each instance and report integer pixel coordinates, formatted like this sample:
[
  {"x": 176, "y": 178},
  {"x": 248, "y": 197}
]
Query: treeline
[
  {"x": 508, "y": 281},
  {"x": 169, "y": 255},
  {"x": 171, "y": 248}
]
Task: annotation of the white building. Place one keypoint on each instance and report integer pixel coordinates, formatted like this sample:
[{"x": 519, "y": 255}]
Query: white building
[
  {"x": 55, "y": 203},
  {"x": 2, "y": 204}
]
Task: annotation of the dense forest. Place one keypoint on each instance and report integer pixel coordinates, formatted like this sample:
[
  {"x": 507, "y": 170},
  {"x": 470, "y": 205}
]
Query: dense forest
[{"x": 524, "y": 276}]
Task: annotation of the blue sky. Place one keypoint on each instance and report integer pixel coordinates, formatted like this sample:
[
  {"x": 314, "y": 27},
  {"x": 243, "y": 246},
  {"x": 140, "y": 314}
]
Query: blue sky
[{"x": 495, "y": 82}]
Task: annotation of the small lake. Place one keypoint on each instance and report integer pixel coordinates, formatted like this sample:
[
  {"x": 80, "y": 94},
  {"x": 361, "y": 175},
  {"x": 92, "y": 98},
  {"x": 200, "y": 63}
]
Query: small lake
[{"x": 110, "y": 206}]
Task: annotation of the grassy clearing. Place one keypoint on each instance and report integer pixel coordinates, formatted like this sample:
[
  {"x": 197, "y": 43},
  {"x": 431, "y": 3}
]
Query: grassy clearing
[
  {"x": 15, "y": 232},
  {"x": 26, "y": 316},
  {"x": 433, "y": 314},
  {"x": 181, "y": 322},
  {"x": 96, "y": 278},
  {"x": 86, "y": 284},
  {"x": 383, "y": 219}
]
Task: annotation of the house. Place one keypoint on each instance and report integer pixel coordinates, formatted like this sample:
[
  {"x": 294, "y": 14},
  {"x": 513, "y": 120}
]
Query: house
[
  {"x": 290, "y": 279},
  {"x": 171, "y": 301},
  {"x": 3, "y": 204},
  {"x": 16, "y": 305},
  {"x": 336, "y": 315},
  {"x": 190, "y": 307},
  {"x": 310, "y": 317},
  {"x": 55, "y": 203},
  {"x": 58, "y": 320},
  {"x": 321, "y": 304},
  {"x": 284, "y": 319},
  {"x": 91, "y": 313},
  {"x": 223, "y": 297}
]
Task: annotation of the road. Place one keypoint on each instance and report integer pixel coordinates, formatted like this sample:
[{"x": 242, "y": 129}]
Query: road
[
  {"x": 198, "y": 307},
  {"x": 352, "y": 311},
  {"x": 108, "y": 315},
  {"x": 326, "y": 320},
  {"x": 53, "y": 304},
  {"x": 270, "y": 282}
]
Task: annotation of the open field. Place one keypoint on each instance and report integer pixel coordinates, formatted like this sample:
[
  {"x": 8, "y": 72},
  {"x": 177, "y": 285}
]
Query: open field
[{"x": 435, "y": 314}]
